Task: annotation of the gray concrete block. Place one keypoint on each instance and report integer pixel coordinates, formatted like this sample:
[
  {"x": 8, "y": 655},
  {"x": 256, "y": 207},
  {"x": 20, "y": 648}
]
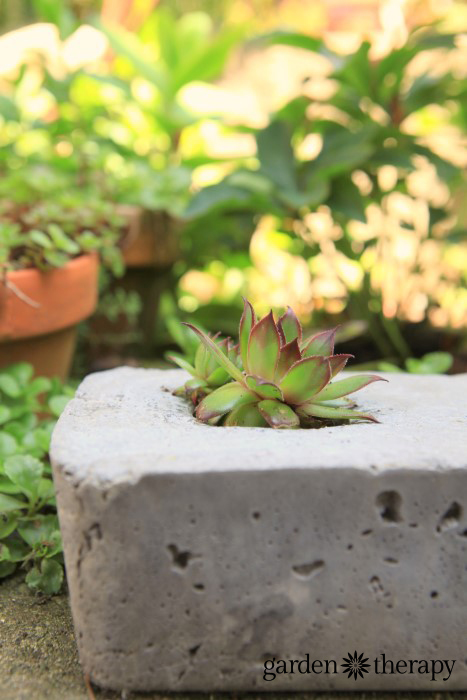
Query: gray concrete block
[{"x": 195, "y": 553}]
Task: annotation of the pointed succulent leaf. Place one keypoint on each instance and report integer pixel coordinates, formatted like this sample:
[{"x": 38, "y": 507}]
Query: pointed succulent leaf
[
  {"x": 278, "y": 414},
  {"x": 222, "y": 359},
  {"x": 264, "y": 348},
  {"x": 265, "y": 389},
  {"x": 337, "y": 363},
  {"x": 201, "y": 357},
  {"x": 320, "y": 344},
  {"x": 218, "y": 377},
  {"x": 182, "y": 363},
  {"x": 247, "y": 416},
  {"x": 223, "y": 400},
  {"x": 305, "y": 378},
  {"x": 247, "y": 322},
  {"x": 320, "y": 411},
  {"x": 289, "y": 327},
  {"x": 289, "y": 354},
  {"x": 346, "y": 386},
  {"x": 195, "y": 383}
]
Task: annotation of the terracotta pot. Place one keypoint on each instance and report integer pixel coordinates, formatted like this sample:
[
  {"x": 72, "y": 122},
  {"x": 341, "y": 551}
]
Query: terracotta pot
[
  {"x": 149, "y": 247},
  {"x": 39, "y": 312},
  {"x": 151, "y": 239}
]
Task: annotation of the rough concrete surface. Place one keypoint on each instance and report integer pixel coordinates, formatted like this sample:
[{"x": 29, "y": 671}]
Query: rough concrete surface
[{"x": 195, "y": 553}]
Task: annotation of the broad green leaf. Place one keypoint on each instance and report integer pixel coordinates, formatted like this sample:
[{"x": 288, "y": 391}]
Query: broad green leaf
[
  {"x": 223, "y": 400},
  {"x": 130, "y": 47},
  {"x": 346, "y": 386},
  {"x": 8, "y": 524},
  {"x": 6, "y": 568},
  {"x": 356, "y": 71},
  {"x": 22, "y": 372},
  {"x": 44, "y": 529},
  {"x": 289, "y": 354},
  {"x": 247, "y": 322},
  {"x": 41, "y": 239},
  {"x": 9, "y": 385},
  {"x": 262, "y": 387},
  {"x": 38, "y": 386},
  {"x": 320, "y": 344},
  {"x": 286, "y": 38},
  {"x": 9, "y": 504},
  {"x": 5, "y": 414},
  {"x": 342, "y": 152},
  {"x": 278, "y": 414},
  {"x": 320, "y": 411},
  {"x": 432, "y": 363},
  {"x": 8, "y": 445},
  {"x": 264, "y": 348},
  {"x": 48, "y": 579},
  {"x": 58, "y": 403},
  {"x": 26, "y": 472},
  {"x": 222, "y": 359},
  {"x": 206, "y": 62},
  {"x": 346, "y": 200},
  {"x": 7, "y": 486},
  {"x": 246, "y": 416},
  {"x": 221, "y": 196},
  {"x": 305, "y": 379},
  {"x": 276, "y": 155}
]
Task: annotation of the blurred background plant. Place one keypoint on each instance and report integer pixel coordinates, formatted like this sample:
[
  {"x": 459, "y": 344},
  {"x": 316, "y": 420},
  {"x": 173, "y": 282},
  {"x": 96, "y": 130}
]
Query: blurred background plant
[{"x": 310, "y": 154}]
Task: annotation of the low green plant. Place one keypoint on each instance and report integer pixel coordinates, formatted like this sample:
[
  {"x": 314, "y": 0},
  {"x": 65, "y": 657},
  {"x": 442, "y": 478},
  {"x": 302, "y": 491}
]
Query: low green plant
[
  {"x": 431, "y": 363},
  {"x": 29, "y": 529},
  {"x": 45, "y": 233},
  {"x": 280, "y": 379}
]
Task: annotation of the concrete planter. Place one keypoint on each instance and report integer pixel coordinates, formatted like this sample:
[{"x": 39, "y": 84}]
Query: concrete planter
[{"x": 194, "y": 554}]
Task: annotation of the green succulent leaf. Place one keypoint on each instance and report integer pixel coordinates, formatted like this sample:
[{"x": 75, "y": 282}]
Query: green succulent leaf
[
  {"x": 289, "y": 354},
  {"x": 330, "y": 412},
  {"x": 265, "y": 389},
  {"x": 278, "y": 414},
  {"x": 223, "y": 400},
  {"x": 247, "y": 416},
  {"x": 289, "y": 327},
  {"x": 305, "y": 378},
  {"x": 6, "y": 568},
  {"x": 320, "y": 344},
  {"x": 264, "y": 348},
  {"x": 222, "y": 359},
  {"x": 346, "y": 386},
  {"x": 247, "y": 322},
  {"x": 182, "y": 363},
  {"x": 337, "y": 363},
  {"x": 218, "y": 377}
]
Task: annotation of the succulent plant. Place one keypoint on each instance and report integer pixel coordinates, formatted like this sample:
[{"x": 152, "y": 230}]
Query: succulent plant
[
  {"x": 206, "y": 371},
  {"x": 284, "y": 381}
]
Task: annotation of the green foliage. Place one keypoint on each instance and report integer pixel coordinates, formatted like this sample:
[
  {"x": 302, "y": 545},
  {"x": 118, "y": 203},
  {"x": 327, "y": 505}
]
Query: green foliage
[
  {"x": 280, "y": 380},
  {"x": 40, "y": 231},
  {"x": 431, "y": 363},
  {"x": 29, "y": 529}
]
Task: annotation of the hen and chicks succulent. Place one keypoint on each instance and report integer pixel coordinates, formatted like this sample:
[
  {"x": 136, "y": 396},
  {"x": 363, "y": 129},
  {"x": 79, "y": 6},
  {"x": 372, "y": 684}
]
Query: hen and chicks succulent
[{"x": 272, "y": 378}]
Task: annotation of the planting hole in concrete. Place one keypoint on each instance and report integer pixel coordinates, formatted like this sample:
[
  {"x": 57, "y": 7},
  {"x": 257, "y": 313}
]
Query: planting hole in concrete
[
  {"x": 451, "y": 518},
  {"x": 308, "y": 570},
  {"x": 389, "y": 505}
]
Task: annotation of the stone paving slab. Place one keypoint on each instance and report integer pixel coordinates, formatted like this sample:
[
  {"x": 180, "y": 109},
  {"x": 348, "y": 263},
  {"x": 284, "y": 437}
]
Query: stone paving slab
[{"x": 195, "y": 553}]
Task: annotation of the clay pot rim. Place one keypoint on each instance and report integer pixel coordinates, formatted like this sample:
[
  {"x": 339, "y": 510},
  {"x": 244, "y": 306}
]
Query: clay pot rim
[{"x": 61, "y": 298}]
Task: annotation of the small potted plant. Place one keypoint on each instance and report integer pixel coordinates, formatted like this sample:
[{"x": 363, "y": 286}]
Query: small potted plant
[{"x": 49, "y": 273}]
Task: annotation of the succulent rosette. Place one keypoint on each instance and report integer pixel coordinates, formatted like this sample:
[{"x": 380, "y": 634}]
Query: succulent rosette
[
  {"x": 207, "y": 374},
  {"x": 282, "y": 381}
]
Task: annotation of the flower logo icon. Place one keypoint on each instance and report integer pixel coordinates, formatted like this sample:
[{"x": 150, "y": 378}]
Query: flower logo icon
[{"x": 355, "y": 665}]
